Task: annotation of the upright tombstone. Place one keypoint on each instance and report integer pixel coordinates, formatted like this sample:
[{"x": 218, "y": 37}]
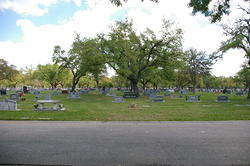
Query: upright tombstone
[
  {"x": 129, "y": 94},
  {"x": 3, "y": 91},
  {"x": 54, "y": 93},
  {"x": 222, "y": 99},
  {"x": 240, "y": 93},
  {"x": 84, "y": 91},
  {"x": 8, "y": 105},
  {"x": 183, "y": 92},
  {"x": 192, "y": 98},
  {"x": 37, "y": 94},
  {"x": 47, "y": 97},
  {"x": 118, "y": 99},
  {"x": 14, "y": 97},
  {"x": 74, "y": 95},
  {"x": 167, "y": 93},
  {"x": 176, "y": 96},
  {"x": 158, "y": 99}
]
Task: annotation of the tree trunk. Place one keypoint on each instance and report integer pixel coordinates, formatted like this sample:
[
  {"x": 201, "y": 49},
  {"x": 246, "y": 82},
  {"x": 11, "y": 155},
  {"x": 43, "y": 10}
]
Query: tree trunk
[
  {"x": 248, "y": 94},
  {"x": 134, "y": 86},
  {"x": 75, "y": 81},
  {"x": 194, "y": 85},
  {"x": 143, "y": 86},
  {"x": 97, "y": 83}
]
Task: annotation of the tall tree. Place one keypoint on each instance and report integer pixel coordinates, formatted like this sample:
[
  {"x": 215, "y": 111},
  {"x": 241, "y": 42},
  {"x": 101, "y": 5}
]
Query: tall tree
[
  {"x": 51, "y": 73},
  {"x": 7, "y": 72},
  {"x": 238, "y": 36},
  {"x": 130, "y": 54},
  {"x": 198, "y": 64},
  {"x": 83, "y": 57}
]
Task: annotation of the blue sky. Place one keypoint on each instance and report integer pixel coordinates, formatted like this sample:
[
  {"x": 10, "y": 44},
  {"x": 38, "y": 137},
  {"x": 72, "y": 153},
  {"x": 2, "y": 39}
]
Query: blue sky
[
  {"x": 31, "y": 28},
  {"x": 57, "y": 13}
]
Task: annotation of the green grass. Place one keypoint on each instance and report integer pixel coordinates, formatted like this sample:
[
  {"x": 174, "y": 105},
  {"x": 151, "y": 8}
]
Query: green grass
[{"x": 96, "y": 107}]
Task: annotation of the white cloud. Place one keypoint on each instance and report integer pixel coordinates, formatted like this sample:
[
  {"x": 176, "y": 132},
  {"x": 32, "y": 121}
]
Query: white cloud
[
  {"x": 38, "y": 41},
  {"x": 27, "y": 7},
  {"x": 32, "y": 7},
  {"x": 230, "y": 64}
]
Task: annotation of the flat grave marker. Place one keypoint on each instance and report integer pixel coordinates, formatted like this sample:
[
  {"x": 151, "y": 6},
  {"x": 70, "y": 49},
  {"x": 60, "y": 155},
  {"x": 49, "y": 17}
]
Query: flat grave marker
[{"x": 118, "y": 99}]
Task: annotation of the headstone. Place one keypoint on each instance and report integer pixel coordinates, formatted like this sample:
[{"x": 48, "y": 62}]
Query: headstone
[
  {"x": 240, "y": 93},
  {"x": 8, "y": 105},
  {"x": 183, "y": 92},
  {"x": 222, "y": 99},
  {"x": 36, "y": 92},
  {"x": 129, "y": 94},
  {"x": 158, "y": 99},
  {"x": 74, "y": 95},
  {"x": 176, "y": 96},
  {"x": 110, "y": 94},
  {"x": 3, "y": 91},
  {"x": 55, "y": 93},
  {"x": 14, "y": 96},
  {"x": 118, "y": 99},
  {"x": 84, "y": 91},
  {"x": 146, "y": 93},
  {"x": 192, "y": 98},
  {"x": 167, "y": 93},
  {"x": 47, "y": 97}
]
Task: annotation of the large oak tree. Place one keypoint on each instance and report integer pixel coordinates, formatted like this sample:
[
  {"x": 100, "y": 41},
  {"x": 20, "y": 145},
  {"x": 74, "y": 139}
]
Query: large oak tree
[{"x": 131, "y": 54}]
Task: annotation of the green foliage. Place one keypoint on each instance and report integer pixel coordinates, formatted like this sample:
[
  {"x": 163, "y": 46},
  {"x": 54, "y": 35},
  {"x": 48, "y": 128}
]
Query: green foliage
[
  {"x": 84, "y": 57},
  {"x": 7, "y": 72},
  {"x": 132, "y": 55},
  {"x": 198, "y": 64},
  {"x": 52, "y": 74},
  {"x": 215, "y": 13},
  {"x": 238, "y": 36},
  {"x": 244, "y": 76}
]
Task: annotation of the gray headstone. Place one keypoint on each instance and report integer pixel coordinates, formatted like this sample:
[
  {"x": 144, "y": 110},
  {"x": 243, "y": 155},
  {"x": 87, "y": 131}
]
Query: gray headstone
[
  {"x": 192, "y": 98},
  {"x": 222, "y": 99},
  {"x": 74, "y": 95},
  {"x": 239, "y": 93},
  {"x": 47, "y": 97},
  {"x": 110, "y": 94},
  {"x": 8, "y": 105},
  {"x": 158, "y": 99},
  {"x": 118, "y": 99},
  {"x": 14, "y": 96}
]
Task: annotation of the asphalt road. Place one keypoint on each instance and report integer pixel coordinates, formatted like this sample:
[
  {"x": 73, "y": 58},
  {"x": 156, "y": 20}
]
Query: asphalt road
[{"x": 125, "y": 143}]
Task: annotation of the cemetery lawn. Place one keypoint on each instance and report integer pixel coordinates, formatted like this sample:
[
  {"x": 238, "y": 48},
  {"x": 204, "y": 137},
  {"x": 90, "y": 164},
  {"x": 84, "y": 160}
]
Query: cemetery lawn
[{"x": 97, "y": 107}]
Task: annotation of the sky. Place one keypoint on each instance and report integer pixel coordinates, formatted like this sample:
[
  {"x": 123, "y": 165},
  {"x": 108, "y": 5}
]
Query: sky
[{"x": 31, "y": 28}]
